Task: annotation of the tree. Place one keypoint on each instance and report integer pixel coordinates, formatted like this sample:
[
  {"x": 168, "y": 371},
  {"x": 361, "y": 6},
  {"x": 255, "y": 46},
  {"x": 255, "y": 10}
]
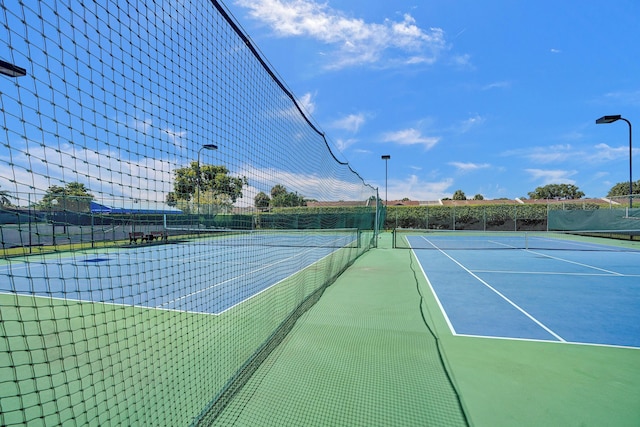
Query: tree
[
  {"x": 280, "y": 197},
  {"x": 261, "y": 201},
  {"x": 622, "y": 189},
  {"x": 288, "y": 199},
  {"x": 478, "y": 197},
  {"x": 74, "y": 196},
  {"x": 278, "y": 190},
  {"x": 459, "y": 195},
  {"x": 172, "y": 200},
  {"x": 557, "y": 191},
  {"x": 4, "y": 198},
  {"x": 214, "y": 184}
]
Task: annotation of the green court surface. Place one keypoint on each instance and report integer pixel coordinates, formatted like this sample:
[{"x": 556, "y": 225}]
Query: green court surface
[{"x": 364, "y": 356}]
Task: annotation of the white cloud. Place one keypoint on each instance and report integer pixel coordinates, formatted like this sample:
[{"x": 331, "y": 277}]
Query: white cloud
[
  {"x": 104, "y": 172},
  {"x": 177, "y": 138},
  {"x": 306, "y": 101},
  {"x": 343, "y": 144},
  {"x": 362, "y": 151},
  {"x": 552, "y": 50},
  {"x": 143, "y": 126},
  {"x": 497, "y": 85},
  {"x": 470, "y": 123},
  {"x": 416, "y": 189},
  {"x": 351, "y": 123},
  {"x": 354, "y": 41},
  {"x": 604, "y": 152},
  {"x": 554, "y": 153},
  {"x": 462, "y": 61},
  {"x": 469, "y": 167},
  {"x": 410, "y": 137},
  {"x": 310, "y": 185},
  {"x": 548, "y": 154},
  {"x": 551, "y": 176},
  {"x": 631, "y": 97}
]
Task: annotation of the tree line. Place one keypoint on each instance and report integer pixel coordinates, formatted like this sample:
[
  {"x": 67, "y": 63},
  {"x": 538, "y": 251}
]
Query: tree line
[
  {"x": 205, "y": 185},
  {"x": 562, "y": 192},
  {"x": 213, "y": 185}
]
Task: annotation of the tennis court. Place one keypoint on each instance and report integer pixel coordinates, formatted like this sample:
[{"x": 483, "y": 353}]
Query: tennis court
[
  {"x": 182, "y": 245},
  {"x": 176, "y": 276},
  {"x": 548, "y": 287}
]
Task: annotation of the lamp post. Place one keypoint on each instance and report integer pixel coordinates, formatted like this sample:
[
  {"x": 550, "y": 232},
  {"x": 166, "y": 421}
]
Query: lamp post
[
  {"x": 11, "y": 70},
  {"x": 615, "y": 118},
  {"x": 204, "y": 147},
  {"x": 386, "y": 158}
]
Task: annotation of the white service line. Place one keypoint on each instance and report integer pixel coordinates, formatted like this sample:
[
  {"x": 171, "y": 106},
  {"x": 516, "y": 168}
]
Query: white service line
[
  {"x": 504, "y": 297},
  {"x": 615, "y": 273},
  {"x": 556, "y": 273}
]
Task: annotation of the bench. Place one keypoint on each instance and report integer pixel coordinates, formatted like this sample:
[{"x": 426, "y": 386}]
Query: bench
[
  {"x": 156, "y": 235},
  {"x": 135, "y": 235}
]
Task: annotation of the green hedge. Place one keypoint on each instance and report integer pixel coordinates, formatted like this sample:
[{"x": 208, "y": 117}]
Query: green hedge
[{"x": 480, "y": 217}]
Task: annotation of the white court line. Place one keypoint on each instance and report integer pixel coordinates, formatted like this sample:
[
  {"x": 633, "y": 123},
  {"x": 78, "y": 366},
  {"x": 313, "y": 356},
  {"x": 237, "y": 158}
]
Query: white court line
[
  {"x": 504, "y": 297},
  {"x": 548, "y": 341},
  {"x": 615, "y": 273},
  {"x": 556, "y": 273},
  {"x": 264, "y": 267},
  {"x": 435, "y": 295},
  {"x": 223, "y": 282}
]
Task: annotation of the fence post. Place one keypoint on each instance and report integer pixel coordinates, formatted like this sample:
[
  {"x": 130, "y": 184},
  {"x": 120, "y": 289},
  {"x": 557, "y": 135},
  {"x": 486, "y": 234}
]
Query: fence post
[
  {"x": 484, "y": 218},
  {"x": 29, "y": 215}
]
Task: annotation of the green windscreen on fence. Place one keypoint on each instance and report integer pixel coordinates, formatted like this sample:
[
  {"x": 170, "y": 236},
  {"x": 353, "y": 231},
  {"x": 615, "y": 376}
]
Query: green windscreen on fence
[
  {"x": 598, "y": 219},
  {"x": 167, "y": 210}
]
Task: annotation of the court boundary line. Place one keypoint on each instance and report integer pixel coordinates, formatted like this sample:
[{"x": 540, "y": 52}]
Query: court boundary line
[
  {"x": 263, "y": 267},
  {"x": 25, "y": 264},
  {"x": 435, "y": 295},
  {"x": 537, "y": 340},
  {"x": 159, "y": 307},
  {"x": 118, "y": 304},
  {"x": 282, "y": 280},
  {"x": 501, "y": 295},
  {"x": 452, "y": 329}
]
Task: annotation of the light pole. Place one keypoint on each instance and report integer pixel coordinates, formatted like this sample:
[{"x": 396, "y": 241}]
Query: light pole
[
  {"x": 611, "y": 119},
  {"x": 204, "y": 147},
  {"x": 386, "y": 158}
]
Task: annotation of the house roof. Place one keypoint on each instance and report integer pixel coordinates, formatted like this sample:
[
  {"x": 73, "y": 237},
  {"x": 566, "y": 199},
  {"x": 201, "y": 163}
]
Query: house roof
[{"x": 340, "y": 203}]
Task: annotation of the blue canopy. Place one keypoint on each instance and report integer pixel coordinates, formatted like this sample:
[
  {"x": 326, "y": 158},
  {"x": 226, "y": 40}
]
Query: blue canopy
[{"x": 133, "y": 207}]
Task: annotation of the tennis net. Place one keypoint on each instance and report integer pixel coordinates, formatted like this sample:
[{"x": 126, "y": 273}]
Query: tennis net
[
  {"x": 154, "y": 166},
  {"x": 331, "y": 238},
  {"x": 588, "y": 240}
]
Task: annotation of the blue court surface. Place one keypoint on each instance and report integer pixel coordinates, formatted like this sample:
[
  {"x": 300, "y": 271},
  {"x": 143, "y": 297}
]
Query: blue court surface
[
  {"x": 578, "y": 296},
  {"x": 204, "y": 277}
]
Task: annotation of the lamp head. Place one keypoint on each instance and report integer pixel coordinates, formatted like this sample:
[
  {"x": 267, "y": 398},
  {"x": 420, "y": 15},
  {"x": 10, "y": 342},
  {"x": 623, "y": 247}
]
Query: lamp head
[
  {"x": 210, "y": 147},
  {"x": 385, "y": 157},
  {"x": 11, "y": 70},
  {"x": 608, "y": 119}
]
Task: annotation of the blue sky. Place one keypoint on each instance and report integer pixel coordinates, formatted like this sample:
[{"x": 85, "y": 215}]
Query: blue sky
[{"x": 489, "y": 97}]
